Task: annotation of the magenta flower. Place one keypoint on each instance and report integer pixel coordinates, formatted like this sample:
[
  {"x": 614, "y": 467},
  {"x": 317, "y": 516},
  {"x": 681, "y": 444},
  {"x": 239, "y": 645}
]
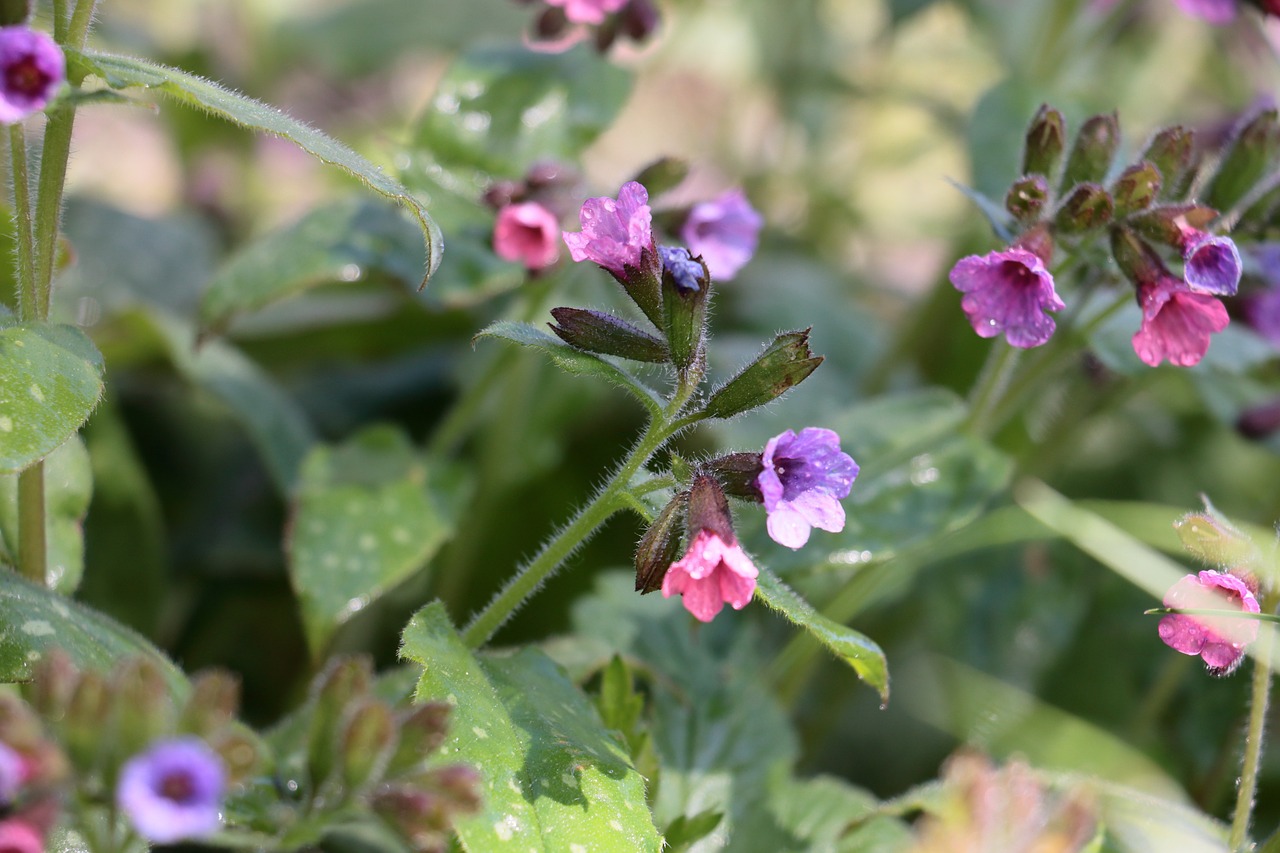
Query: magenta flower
[
  {"x": 527, "y": 233},
  {"x": 724, "y": 231},
  {"x": 13, "y": 772},
  {"x": 711, "y": 574},
  {"x": 1212, "y": 264},
  {"x": 588, "y": 11},
  {"x": 1213, "y": 11},
  {"x": 803, "y": 480},
  {"x": 1007, "y": 293},
  {"x": 32, "y": 68},
  {"x": 18, "y": 836},
  {"x": 1219, "y": 640},
  {"x": 173, "y": 791},
  {"x": 1176, "y": 322},
  {"x": 614, "y": 233}
]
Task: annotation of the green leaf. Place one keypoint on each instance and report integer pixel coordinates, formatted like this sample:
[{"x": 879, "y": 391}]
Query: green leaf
[
  {"x": 68, "y": 483},
  {"x": 365, "y": 520},
  {"x": 552, "y": 775},
  {"x": 123, "y": 72},
  {"x": 353, "y": 240},
  {"x": 499, "y": 109},
  {"x": 37, "y": 620},
  {"x": 853, "y": 648},
  {"x": 50, "y": 380},
  {"x": 574, "y": 360},
  {"x": 1136, "y": 821}
]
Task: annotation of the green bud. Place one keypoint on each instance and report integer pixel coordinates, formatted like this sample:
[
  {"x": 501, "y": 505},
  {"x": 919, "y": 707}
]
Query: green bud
[
  {"x": 141, "y": 705},
  {"x": 422, "y": 731},
  {"x": 52, "y": 682},
  {"x": 1137, "y": 260},
  {"x": 595, "y": 331},
  {"x": 1027, "y": 198},
  {"x": 1136, "y": 189},
  {"x": 343, "y": 682},
  {"x": 14, "y": 12},
  {"x": 643, "y": 284},
  {"x": 709, "y": 509},
  {"x": 82, "y": 728},
  {"x": 366, "y": 745},
  {"x": 215, "y": 696},
  {"x": 1214, "y": 541},
  {"x": 1164, "y": 224},
  {"x": 19, "y": 726},
  {"x": 1249, "y": 156},
  {"x": 660, "y": 545},
  {"x": 1092, "y": 152},
  {"x": 241, "y": 752},
  {"x": 662, "y": 175},
  {"x": 1172, "y": 152},
  {"x": 680, "y": 468},
  {"x": 684, "y": 307},
  {"x": 738, "y": 472},
  {"x": 784, "y": 364},
  {"x": 1046, "y": 140},
  {"x": 1088, "y": 206}
]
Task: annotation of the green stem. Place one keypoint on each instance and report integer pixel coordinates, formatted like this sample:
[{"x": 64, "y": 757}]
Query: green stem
[
  {"x": 22, "y": 221},
  {"x": 60, "y": 21},
  {"x": 32, "y": 549},
  {"x": 991, "y": 383},
  {"x": 606, "y": 502},
  {"x": 1252, "y": 743},
  {"x": 53, "y": 178}
]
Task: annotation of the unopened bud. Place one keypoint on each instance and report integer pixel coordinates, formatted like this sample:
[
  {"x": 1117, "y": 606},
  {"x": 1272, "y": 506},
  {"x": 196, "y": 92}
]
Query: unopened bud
[
  {"x": 1092, "y": 152},
  {"x": 1247, "y": 160},
  {"x": 1027, "y": 198},
  {"x": 343, "y": 682},
  {"x": 53, "y": 680},
  {"x": 1136, "y": 189},
  {"x": 215, "y": 697},
  {"x": 738, "y": 472},
  {"x": 784, "y": 364},
  {"x": 1088, "y": 206},
  {"x": 1138, "y": 261},
  {"x": 502, "y": 194},
  {"x": 366, "y": 744},
  {"x": 19, "y": 726},
  {"x": 422, "y": 731},
  {"x": 1168, "y": 223},
  {"x": 660, "y": 545},
  {"x": 82, "y": 727},
  {"x": 1172, "y": 152},
  {"x": 709, "y": 509},
  {"x": 1046, "y": 140},
  {"x": 142, "y": 709},
  {"x": 240, "y": 750},
  {"x": 686, "y": 284},
  {"x": 1214, "y": 541},
  {"x": 595, "y": 331}
]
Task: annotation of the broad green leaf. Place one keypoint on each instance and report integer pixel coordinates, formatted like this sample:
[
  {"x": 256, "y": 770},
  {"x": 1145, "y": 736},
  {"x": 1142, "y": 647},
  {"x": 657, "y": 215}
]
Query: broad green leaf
[
  {"x": 501, "y": 108},
  {"x": 68, "y": 484},
  {"x": 121, "y": 72},
  {"x": 349, "y": 241},
  {"x": 574, "y": 360},
  {"x": 853, "y": 648},
  {"x": 36, "y": 620},
  {"x": 365, "y": 520},
  {"x": 50, "y": 380},
  {"x": 553, "y": 777},
  {"x": 1136, "y": 822}
]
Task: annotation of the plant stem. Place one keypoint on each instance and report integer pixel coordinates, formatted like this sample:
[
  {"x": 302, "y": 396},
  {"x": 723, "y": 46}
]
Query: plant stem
[
  {"x": 991, "y": 383},
  {"x": 22, "y": 221},
  {"x": 1252, "y": 742},
  {"x": 606, "y": 502}
]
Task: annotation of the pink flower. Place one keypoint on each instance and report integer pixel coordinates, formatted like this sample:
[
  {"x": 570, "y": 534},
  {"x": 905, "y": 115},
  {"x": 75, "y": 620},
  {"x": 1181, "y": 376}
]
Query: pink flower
[
  {"x": 527, "y": 233},
  {"x": 588, "y": 11},
  {"x": 614, "y": 233},
  {"x": 802, "y": 481},
  {"x": 724, "y": 231},
  {"x": 711, "y": 574},
  {"x": 1213, "y": 11},
  {"x": 32, "y": 68},
  {"x": 1219, "y": 640},
  {"x": 1176, "y": 322},
  {"x": 18, "y": 836},
  {"x": 1007, "y": 293}
]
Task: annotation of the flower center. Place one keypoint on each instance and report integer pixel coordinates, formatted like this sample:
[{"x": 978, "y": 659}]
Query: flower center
[
  {"x": 25, "y": 76},
  {"x": 1017, "y": 273},
  {"x": 179, "y": 787}
]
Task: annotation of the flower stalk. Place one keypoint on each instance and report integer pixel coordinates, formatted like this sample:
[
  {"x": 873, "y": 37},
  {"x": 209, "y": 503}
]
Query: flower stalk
[{"x": 1253, "y": 742}]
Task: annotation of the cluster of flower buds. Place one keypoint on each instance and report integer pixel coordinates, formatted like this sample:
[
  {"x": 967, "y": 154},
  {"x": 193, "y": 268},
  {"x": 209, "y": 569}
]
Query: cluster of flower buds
[
  {"x": 560, "y": 24},
  {"x": 800, "y": 479},
  {"x": 1232, "y": 587},
  {"x": 1071, "y": 198},
  {"x": 32, "y": 67},
  {"x": 527, "y": 227},
  {"x": 359, "y": 749}
]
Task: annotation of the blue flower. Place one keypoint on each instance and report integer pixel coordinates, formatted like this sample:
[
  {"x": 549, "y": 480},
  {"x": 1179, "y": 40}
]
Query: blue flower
[
  {"x": 173, "y": 791},
  {"x": 687, "y": 273},
  {"x": 803, "y": 479}
]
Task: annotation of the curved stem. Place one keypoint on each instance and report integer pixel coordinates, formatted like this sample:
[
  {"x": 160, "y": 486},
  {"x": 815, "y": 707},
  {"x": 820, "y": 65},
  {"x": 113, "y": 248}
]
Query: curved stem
[
  {"x": 991, "y": 384},
  {"x": 22, "y": 221},
  {"x": 1252, "y": 743}
]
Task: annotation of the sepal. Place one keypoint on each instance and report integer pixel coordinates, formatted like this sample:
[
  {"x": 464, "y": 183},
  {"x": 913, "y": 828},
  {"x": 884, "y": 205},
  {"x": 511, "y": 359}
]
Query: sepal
[
  {"x": 1088, "y": 206},
  {"x": 1136, "y": 189},
  {"x": 1027, "y": 198},
  {"x": 1168, "y": 223},
  {"x": 1172, "y": 152},
  {"x": 598, "y": 332},
  {"x": 1046, "y": 140},
  {"x": 1094, "y": 148},
  {"x": 1250, "y": 155},
  {"x": 737, "y": 473},
  {"x": 1137, "y": 260},
  {"x": 784, "y": 364},
  {"x": 686, "y": 284},
  {"x": 660, "y": 545}
]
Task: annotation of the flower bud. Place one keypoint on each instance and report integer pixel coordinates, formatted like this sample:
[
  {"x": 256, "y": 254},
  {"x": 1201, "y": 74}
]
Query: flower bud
[
  {"x": 142, "y": 709},
  {"x": 709, "y": 509},
  {"x": 215, "y": 696},
  {"x": 366, "y": 745},
  {"x": 1027, "y": 198},
  {"x": 1091, "y": 154},
  {"x": 1046, "y": 140},
  {"x": 53, "y": 680},
  {"x": 1168, "y": 223},
  {"x": 1138, "y": 261},
  {"x": 737, "y": 472},
  {"x": 422, "y": 730},
  {"x": 785, "y": 363},
  {"x": 1136, "y": 189},
  {"x": 1088, "y": 206},
  {"x": 19, "y": 726},
  {"x": 686, "y": 284},
  {"x": 1172, "y": 153},
  {"x": 343, "y": 681},
  {"x": 595, "y": 331},
  {"x": 82, "y": 727},
  {"x": 1246, "y": 161},
  {"x": 1214, "y": 541},
  {"x": 660, "y": 545},
  {"x": 240, "y": 750}
]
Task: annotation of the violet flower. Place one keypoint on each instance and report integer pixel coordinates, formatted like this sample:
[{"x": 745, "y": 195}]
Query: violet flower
[
  {"x": 1213, "y": 11},
  {"x": 712, "y": 573},
  {"x": 687, "y": 273},
  {"x": 1219, "y": 640},
  {"x": 1211, "y": 263},
  {"x": 614, "y": 234},
  {"x": 32, "y": 68},
  {"x": 1176, "y": 322},
  {"x": 1007, "y": 292},
  {"x": 527, "y": 233},
  {"x": 13, "y": 772},
  {"x": 173, "y": 791},
  {"x": 724, "y": 231},
  {"x": 18, "y": 836},
  {"x": 803, "y": 480},
  {"x": 588, "y": 11}
]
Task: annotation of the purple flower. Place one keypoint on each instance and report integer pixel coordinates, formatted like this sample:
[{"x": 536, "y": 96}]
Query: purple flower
[
  {"x": 1262, "y": 312},
  {"x": 1176, "y": 322},
  {"x": 1008, "y": 292},
  {"x": 803, "y": 480},
  {"x": 724, "y": 231},
  {"x": 13, "y": 772},
  {"x": 527, "y": 233},
  {"x": 687, "y": 273},
  {"x": 1220, "y": 640},
  {"x": 1212, "y": 264},
  {"x": 18, "y": 836},
  {"x": 173, "y": 791},
  {"x": 614, "y": 233},
  {"x": 712, "y": 573},
  {"x": 1213, "y": 11},
  {"x": 32, "y": 68},
  {"x": 588, "y": 11}
]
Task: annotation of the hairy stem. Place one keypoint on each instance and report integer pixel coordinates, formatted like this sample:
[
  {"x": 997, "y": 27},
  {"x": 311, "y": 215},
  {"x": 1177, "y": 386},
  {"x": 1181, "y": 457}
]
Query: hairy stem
[{"x": 1252, "y": 743}]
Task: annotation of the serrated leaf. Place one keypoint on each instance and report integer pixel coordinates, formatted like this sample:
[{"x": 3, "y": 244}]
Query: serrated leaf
[
  {"x": 36, "y": 620},
  {"x": 68, "y": 484},
  {"x": 574, "y": 360},
  {"x": 852, "y": 647},
  {"x": 122, "y": 72},
  {"x": 351, "y": 240},
  {"x": 50, "y": 380},
  {"x": 552, "y": 775},
  {"x": 364, "y": 521}
]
